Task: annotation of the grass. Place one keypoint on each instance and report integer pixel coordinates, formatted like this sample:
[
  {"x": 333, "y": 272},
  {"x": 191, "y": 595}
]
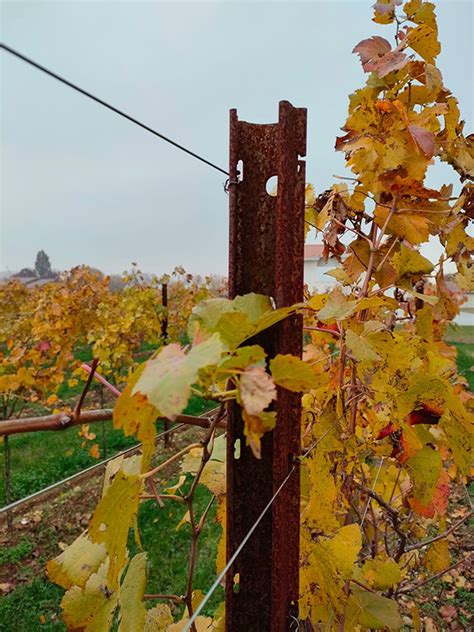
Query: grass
[
  {"x": 35, "y": 605},
  {"x": 40, "y": 459},
  {"x": 23, "y": 609},
  {"x": 462, "y": 337},
  {"x": 14, "y": 554}
]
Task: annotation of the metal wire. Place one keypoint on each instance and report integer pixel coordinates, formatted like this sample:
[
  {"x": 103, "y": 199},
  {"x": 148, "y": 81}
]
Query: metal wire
[
  {"x": 96, "y": 466},
  {"x": 66, "y": 82},
  {"x": 247, "y": 537}
]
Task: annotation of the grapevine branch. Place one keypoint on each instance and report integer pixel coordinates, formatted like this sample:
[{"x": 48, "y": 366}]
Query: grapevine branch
[{"x": 413, "y": 587}]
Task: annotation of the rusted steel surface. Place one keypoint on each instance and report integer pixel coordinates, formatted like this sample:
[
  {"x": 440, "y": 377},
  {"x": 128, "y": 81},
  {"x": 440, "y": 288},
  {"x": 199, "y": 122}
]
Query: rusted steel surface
[
  {"x": 164, "y": 337},
  {"x": 164, "y": 302},
  {"x": 266, "y": 256}
]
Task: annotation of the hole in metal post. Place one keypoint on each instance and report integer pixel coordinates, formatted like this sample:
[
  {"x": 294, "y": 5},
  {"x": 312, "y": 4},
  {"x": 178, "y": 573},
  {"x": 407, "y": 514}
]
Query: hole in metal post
[
  {"x": 272, "y": 186},
  {"x": 236, "y": 580},
  {"x": 237, "y": 449},
  {"x": 240, "y": 170}
]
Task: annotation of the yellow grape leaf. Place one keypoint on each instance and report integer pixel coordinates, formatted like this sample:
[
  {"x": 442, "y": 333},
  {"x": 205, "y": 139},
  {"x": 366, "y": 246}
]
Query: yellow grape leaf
[
  {"x": 460, "y": 433},
  {"x": 424, "y": 323},
  {"x": 328, "y": 565},
  {"x": 132, "y": 608},
  {"x": 381, "y": 574},
  {"x": 408, "y": 262},
  {"x": 427, "y": 298},
  {"x": 384, "y": 11},
  {"x": 221, "y": 547},
  {"x": 135, "y": 415},
  {"x": 213, "y": 475},
  {"x": 202, "y": 624},
  {"x": 243, "y": 357},
  {"x": 174, "y": 488},
  {"x": 437, "y": 558},
  {"x": 91, "y": 608},
  {"x": 158, "y": 619},
  {"x": 255, "y": 426},
  {"x": 186, "y": 519},
  {"x": 256, "y": 390},
  {"x": 292, "y": 373},
  {"x": 413, "y": 227},
  {"x": 116, "y": 513},
  {"x": 167, "y": 379},
  {"x": 322, "y": 509},
  {"x": 421, "y": 12},
  {"x": 424, "y": 40},
  {"x": 206, "y": 316},
  {"x": 76, "y": 563},
  {"x": 360, "y": 347},
  {"x": 337, "y": 307},
  {"x": 430, "y": 483},
  {"x": 371, "y": 611}
]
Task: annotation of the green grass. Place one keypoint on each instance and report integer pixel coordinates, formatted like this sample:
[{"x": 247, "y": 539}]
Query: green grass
[
  {"x": 462, "y": 337},
  {"x": 14, "y": 554},
  {"x": 168, "y": 548},
  {"x": 42, "y": 458},
  {"x": 168, "y": 554},
  {"x": 20, "y": 611}
]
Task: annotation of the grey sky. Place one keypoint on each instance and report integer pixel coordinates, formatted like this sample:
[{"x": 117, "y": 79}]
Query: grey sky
[{"x": 89, "y": 187}]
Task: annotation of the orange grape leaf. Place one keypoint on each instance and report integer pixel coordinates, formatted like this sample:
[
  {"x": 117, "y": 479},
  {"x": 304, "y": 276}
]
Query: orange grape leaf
[
  {"x": 255, "y": 426},
  {"x": 424, "y": 139}
]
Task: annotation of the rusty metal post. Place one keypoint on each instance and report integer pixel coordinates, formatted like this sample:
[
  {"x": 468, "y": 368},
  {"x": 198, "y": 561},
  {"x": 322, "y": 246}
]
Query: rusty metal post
[
  {"x": 266, "y": 256},
  {"x": 164, "y": 337}
]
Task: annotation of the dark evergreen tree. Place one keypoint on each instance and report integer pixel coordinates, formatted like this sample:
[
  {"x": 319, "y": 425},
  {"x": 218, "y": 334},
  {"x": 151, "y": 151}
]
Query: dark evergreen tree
[{"x": 43, "y": 265}]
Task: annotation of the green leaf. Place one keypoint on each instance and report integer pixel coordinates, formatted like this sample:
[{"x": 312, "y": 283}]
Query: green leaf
[
  {"x": 167, "y": 379},
  {"x": 337, "y": 307},
  {"x": 244, "y": 357},
  {"x": 371, "y": 611},
  {"x": 292, "y": 373},
  {"x": 360, "y": 347}
]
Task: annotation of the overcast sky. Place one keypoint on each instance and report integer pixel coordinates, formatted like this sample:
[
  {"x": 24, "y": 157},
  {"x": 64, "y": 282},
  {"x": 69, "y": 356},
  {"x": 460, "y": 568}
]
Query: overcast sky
[{"x": 89, "y": 187}]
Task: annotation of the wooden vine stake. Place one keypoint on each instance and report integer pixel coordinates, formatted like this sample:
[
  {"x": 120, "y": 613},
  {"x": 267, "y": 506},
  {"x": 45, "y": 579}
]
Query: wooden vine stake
[{"x": 266, "y": 257}]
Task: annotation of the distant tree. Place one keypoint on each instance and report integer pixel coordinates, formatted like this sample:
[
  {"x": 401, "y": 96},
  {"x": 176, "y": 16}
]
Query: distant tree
[{"x": 43, "y": 265}]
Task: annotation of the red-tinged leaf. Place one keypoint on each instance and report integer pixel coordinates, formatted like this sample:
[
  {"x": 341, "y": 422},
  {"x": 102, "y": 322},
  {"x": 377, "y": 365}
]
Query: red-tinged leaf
[
  {"x": 425, "y": 415},
  {"x": 376, "y": 55},
  {"x": 371, "y": 49},
  {"x": 424, "y": 139},
  {"x": 439, "y": 500}
]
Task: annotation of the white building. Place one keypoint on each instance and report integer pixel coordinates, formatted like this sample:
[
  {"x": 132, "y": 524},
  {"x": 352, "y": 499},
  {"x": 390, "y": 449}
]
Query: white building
[{"x": 315, "y": 269}]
